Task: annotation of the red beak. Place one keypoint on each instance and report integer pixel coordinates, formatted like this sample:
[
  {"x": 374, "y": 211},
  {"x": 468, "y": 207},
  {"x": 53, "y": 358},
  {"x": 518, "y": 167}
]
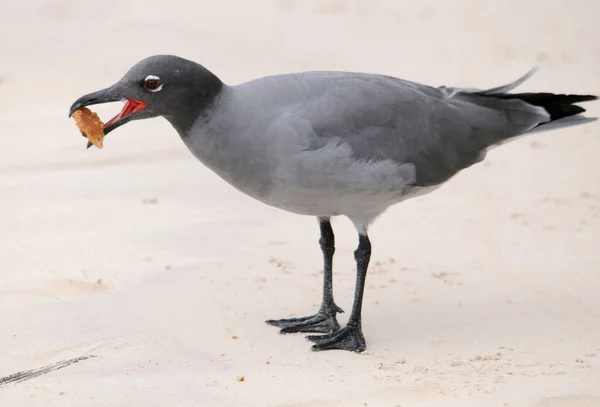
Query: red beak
[{"x": 131, "y": 107}]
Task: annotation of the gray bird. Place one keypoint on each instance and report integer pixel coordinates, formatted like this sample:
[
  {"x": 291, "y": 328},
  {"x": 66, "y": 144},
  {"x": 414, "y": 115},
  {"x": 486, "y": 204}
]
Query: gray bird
[{"x": 327, "y": 144}]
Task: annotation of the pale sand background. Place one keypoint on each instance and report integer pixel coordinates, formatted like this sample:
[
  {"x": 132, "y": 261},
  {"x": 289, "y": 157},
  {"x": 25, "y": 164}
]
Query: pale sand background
[{"x": 484, "y": 293}]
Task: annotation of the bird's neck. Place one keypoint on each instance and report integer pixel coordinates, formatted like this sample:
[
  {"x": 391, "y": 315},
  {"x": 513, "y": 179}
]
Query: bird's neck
[{"x": 198, "y": 105}]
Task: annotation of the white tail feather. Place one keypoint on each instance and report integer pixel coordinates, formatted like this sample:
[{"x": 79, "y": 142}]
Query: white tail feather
[
  {"x": 560, "y": 123},
  {"x": 510, "y": 86}
]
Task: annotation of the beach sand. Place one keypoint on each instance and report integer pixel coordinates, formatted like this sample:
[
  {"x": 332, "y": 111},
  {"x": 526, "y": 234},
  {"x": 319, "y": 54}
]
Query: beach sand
[{"x": 485, "y": 292}]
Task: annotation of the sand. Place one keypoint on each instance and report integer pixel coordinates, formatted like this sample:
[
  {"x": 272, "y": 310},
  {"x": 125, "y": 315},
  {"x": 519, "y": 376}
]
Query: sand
[{"x": 483, "y": 293}]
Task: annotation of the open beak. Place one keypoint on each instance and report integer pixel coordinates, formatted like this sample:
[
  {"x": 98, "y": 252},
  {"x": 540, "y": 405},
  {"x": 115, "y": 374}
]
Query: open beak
[{"x": 107, "y": 95}]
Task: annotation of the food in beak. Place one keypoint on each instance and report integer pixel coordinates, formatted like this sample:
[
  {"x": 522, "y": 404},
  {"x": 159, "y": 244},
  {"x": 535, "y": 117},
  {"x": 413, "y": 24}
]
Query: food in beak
[{"x": 90, "y": 126}]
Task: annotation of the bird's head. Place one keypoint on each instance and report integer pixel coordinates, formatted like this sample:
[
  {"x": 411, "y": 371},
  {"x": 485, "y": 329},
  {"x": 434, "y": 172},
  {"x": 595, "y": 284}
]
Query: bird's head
[{"x": 162, "y": 85}]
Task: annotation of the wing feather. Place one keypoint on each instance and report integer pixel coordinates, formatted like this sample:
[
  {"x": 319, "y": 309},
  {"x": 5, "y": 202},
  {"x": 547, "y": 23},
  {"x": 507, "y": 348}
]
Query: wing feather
[{"x": 439, "y": 130}]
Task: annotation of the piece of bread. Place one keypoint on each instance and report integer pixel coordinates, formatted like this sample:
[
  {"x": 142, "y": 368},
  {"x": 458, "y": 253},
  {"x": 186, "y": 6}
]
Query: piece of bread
[{"x": 90, "y": 126}]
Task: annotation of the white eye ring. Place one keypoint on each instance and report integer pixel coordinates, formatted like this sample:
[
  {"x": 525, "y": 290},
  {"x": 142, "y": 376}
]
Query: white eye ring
[{"x": 153, "y": 78}]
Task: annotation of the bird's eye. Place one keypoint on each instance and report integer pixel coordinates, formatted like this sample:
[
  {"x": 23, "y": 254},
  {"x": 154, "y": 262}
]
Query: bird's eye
[{"x": 152, "y": 84}]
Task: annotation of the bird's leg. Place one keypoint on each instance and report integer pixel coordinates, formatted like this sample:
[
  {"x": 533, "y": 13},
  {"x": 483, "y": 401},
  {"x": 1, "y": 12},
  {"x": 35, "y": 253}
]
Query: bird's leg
[
  {"x": 350, "y": 337},
  {"x": 324, "y": 321}
]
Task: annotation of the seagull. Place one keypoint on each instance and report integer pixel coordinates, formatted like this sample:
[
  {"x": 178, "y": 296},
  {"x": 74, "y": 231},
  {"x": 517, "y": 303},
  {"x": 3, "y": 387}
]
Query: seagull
[{"x": 328, "y": 144}]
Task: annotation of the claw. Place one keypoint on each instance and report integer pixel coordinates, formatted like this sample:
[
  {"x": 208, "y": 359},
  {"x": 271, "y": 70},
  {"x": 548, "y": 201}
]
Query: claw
[
  {"x": 320, "y": 323},
  {"x": 349, "y": 338}
]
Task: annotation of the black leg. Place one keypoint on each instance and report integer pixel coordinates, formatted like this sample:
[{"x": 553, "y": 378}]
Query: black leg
[
  {"x": 324, "y": 321},
  {"x": 350, "y": 337}
]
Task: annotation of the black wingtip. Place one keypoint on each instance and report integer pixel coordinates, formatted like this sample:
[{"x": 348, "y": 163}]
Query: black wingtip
[
  {"x": 558, "y": 106},
  {"x": 571, "y": 99}
]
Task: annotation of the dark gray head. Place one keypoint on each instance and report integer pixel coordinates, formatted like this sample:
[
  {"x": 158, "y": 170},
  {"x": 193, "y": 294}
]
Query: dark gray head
[{"x": 163, "y": 85}]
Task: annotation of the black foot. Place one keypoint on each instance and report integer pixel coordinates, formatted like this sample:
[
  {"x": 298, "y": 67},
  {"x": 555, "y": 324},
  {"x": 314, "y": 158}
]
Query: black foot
[
  {"x": 348, "y": 338},
  {"x": 321, "y": 322}
]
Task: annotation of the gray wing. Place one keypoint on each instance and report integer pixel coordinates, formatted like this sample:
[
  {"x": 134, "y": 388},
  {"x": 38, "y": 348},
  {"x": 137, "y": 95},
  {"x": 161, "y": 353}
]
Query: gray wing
[{"x": 439, "y": 130}]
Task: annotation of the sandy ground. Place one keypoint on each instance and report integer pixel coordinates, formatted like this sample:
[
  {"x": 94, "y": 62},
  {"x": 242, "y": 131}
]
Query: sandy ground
[{"x": 483, "y": 293}]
